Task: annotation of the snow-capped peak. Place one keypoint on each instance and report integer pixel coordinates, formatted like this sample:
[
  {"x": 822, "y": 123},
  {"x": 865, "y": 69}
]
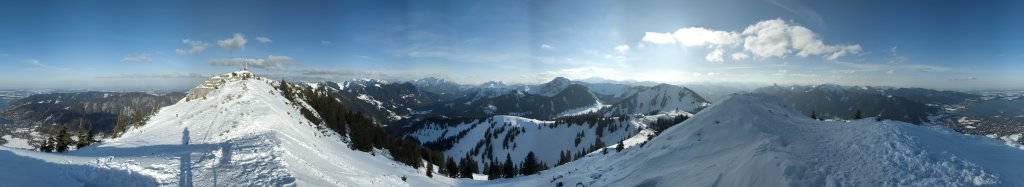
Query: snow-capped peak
[
  {"x": 552, "y": 87},
  {"x": 663, "y": 98}
]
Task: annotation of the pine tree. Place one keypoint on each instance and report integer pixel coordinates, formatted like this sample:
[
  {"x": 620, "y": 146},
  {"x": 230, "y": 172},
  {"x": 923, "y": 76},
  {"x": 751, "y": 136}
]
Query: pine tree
[
  {"x": 119, "y": 127},
  {"x": 63, "y": 140},
  {"x": 618, "y": 148},
  {"x": 453, "y": 168},
  {"x": 563, "y": 157},
  {"x": 814, "y": 115},
  {"x": 430, "y": 169},
  {"x": 137, "y": 118},
  {"x": 83, "y": 136},
  {"x": 530, "y": 164},
  {"x": 442, "y": 167},
  {"x": 857, "y": 114},
  {"x": 467, "y": 167},
  {"x": 509, "y": 167},
  {"x": 47, "y": 144},
  {"x": 494, "y": 172}
]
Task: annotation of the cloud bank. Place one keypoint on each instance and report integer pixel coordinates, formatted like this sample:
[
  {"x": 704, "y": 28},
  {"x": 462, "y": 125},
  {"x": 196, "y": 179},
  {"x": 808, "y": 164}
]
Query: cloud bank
[
  {"x": 271, "y": 62},
  {"x": 765, "y": 39},
  {"x": 145, "y": 57}
]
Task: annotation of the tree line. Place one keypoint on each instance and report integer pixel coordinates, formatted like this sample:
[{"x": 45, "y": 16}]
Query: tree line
[
  {"x": 361, "y": 132},
  {"x": 61, "y": 140}
]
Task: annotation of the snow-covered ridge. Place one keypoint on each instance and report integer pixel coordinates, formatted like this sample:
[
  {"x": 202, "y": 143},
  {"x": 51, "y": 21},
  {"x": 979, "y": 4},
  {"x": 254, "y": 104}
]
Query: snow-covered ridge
[
  {"x": 243, "y": 133},
  {"x": 663, "y": 98},
  {"x": 215, "y": 82},
  {"x": 757, "y": 140}
]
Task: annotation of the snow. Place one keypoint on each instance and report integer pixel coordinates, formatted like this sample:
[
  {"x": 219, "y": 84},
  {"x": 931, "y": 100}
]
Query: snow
[
  {"x": 774, "y": 145},
  {"x": 597, "y": 106},
  {"x": 541, "y": 137},
  {"x": 663, "y": 99},
  {"x": 16, "y": 142},
  {"x": 243, "y": 133}
]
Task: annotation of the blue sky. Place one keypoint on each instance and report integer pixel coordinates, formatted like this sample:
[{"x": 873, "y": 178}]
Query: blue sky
[{"x": 176, "y": 44}]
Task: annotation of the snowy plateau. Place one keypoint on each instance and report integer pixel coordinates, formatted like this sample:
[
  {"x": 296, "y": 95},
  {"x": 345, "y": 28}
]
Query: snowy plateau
[{"x": 245, "y": 133}]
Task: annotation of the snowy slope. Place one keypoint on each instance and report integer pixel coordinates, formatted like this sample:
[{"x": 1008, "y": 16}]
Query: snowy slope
[
  {"x": 757, "y": 140},
  {"x": 550, "y": 88},
  {"x": 663, "y": 98},
  {"x": 546, "y": 139},
  {"x": 244, "y": 133}
]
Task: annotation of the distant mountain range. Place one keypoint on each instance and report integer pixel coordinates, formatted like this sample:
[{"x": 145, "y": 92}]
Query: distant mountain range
[
  {"x": 98, "y": 109},
  {"x": 835, "y": 101}
]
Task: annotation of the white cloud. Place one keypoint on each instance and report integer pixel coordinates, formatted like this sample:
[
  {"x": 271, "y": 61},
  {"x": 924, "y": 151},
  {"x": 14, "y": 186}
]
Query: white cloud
[
  {"x": 617, "y": 58},
  {"x": 325, "y": 42},
  {"x": 767, "y": 38},
  {"x": 739, "y": 56},
  {"x": 696, "y": 36},
  {"x": 158, "y": 76},
  {"x": 658, "y": 38},
  {"x": 234, "y": 43},
  {"x": 776, "y": 38},
  {"x": 928, "y": 68},
  {"x": 145, "y": 57},
  {"x": 546, "y": 46},
  {"x": 197, "y": 47},
  {"x": 715, "y": 55},
  {"x": 38, "y": 66},
  {"x": 622, "y": 48},
  {"x": 964, "y": 79},
  {"x": 263, "y": 40},
  {"x": 890, "y": 72},
  {"x": 764, "y": 39},
  {"x": 271, "y": 62},
  {"x": 849, "y": 49},
  {"x": 618, "y": 74}
]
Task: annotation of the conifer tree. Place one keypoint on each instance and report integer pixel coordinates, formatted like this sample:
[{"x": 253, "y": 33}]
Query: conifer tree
[
  {"x": 430, "y": 169},
  {"x": 530, "y": 164},
  {"x": 814, "y": 115},
  {"x": 495, "y": 171},
  {"x": 510, "y": 168},
  {"x": 137, "y": 118},
  {"x": 857, "y": 114},
  {"x": 442, "y": 167},
  {"x": 47, "y": 145},
  {"x": 618, "y": 148},
  {"x": 453, "y": 168},
  {"x": 83, "y": 135},
  {"x": 467, "y": 167},
  {"x": 119, "y": 127},
  {"x": 63, "y": 140}
]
